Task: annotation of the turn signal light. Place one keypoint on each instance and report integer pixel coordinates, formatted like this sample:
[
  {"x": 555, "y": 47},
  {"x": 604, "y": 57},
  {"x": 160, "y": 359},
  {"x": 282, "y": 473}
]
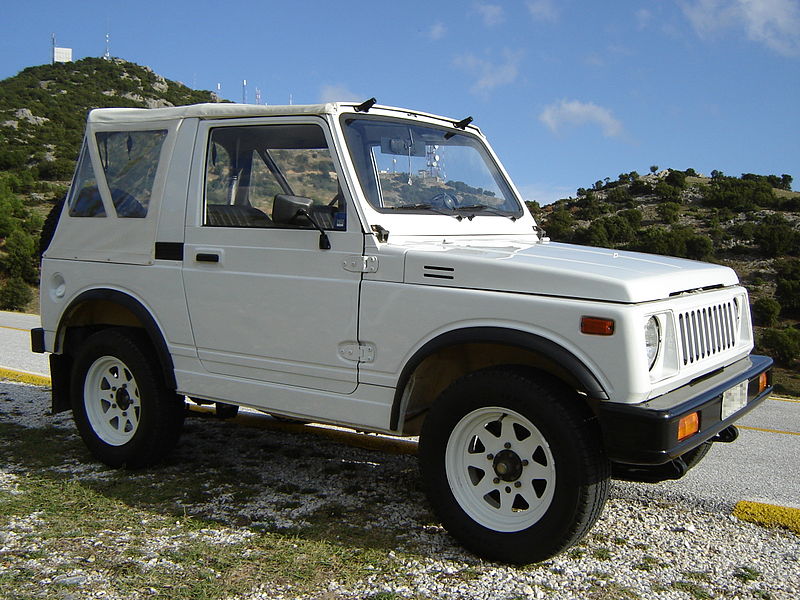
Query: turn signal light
[
  {"x": 597, "y": 326},
  {"x": 763, "y": 382},
  {"x": 688, "y": 425}
]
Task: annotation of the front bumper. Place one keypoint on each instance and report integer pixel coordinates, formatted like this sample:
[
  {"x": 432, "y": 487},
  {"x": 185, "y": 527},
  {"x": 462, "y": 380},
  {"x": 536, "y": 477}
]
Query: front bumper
[{"x": 647, "y": 433}]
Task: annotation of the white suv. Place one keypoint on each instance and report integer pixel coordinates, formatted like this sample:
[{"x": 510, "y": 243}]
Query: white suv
[{"x": 376, "y": 268}]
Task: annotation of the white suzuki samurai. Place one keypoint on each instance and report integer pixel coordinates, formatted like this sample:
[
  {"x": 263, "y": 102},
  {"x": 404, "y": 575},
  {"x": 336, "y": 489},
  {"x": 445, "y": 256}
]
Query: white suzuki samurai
[{"x": 375, "y": 267}]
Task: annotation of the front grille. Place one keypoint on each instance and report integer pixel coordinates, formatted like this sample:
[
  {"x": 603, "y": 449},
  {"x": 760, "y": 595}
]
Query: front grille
[{"x": 707, "y": 331}]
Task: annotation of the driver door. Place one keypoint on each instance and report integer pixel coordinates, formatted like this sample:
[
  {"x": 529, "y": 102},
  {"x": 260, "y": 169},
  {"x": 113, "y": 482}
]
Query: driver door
[{"x": 265, "y": 302}]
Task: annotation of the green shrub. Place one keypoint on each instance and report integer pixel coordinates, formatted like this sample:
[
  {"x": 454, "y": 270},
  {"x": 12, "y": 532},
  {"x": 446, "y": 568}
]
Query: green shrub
[
  {"x": 782, "y": 344},
  {"x": 766, "y": 311},
  {"x": 15, "y": 294}
]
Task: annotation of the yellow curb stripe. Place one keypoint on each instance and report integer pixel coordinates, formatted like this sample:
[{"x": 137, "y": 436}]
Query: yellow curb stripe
[
  {"x": 768, "y": 430},
  {"x": 784, "y": 399},
  {"x": 23, "y": 377},
  {"x": 768, "y": 515}
]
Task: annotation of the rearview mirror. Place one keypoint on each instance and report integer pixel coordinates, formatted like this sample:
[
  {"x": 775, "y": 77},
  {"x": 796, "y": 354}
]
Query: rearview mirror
[{"x": 401, "y": 147}]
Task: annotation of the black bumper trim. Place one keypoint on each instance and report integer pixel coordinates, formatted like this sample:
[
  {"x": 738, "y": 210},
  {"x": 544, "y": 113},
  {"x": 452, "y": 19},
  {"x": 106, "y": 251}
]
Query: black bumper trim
[
  {"x": 37, "y": 340},
  {"x": 647, "y": 433}
]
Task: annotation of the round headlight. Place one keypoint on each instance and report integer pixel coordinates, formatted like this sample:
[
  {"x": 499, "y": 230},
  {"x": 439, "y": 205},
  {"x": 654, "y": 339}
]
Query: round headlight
[{"x": 652, "y": 340}]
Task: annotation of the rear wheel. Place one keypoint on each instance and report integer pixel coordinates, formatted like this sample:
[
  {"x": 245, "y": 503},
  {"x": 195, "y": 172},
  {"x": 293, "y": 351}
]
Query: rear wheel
[
  {"x": 122, "y": 408},
  {"x": 512, "y": 466}
]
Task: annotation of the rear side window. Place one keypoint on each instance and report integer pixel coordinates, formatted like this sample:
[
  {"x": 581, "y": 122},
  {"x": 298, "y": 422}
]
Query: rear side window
[
  {"x": 130, "y": 161},
  {"x": 85, "y": 198}
]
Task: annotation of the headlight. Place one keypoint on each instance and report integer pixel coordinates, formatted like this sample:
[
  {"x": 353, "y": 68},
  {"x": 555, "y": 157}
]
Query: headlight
[{"x": 652, "y": 340}]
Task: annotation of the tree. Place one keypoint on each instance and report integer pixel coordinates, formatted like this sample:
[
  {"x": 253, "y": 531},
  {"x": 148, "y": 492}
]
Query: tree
[
  {"x": 676, "y": 179},
  {"x": 653, "y": 168},
  {"x": 669, "y": 212},
  {"x": 783, "y": 344},
  {"x": 15, "y": 294},
  {"x": 766, "y": 311},
  {"x": 20, "y": 256}
]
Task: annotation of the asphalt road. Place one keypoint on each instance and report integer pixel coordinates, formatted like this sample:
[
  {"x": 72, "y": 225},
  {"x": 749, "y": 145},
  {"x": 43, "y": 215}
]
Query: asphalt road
[{"x": 761, "y": 466}]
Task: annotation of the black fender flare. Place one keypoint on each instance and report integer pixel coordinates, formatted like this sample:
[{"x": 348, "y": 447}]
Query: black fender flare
[
  {"x": 498, "y": 335},
  {"x": 144, "y": 316}
]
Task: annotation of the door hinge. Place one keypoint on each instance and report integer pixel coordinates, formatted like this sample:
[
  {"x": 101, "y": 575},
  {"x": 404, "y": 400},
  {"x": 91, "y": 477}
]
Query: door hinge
[
  {"x": 357, "y": 352},
  {"x": 361, "y": 264}
]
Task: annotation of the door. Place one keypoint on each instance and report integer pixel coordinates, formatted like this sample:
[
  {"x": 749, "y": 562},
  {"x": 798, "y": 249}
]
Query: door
[{"x": 266, "y": 303}]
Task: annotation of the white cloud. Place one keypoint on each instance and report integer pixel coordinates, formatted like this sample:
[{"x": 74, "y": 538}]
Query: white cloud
[
  {"x": 437, "y": 31},
  {"x": 338, "y": 93},
  {"x": 568, "y": 113},
  {"x": 774, "y": 23},
  {"x": 543, "y": 10},
  {"x": 489, "y": 75},
  {"x": 643, "y": 18},
  {"x": 492, "y": 14}
]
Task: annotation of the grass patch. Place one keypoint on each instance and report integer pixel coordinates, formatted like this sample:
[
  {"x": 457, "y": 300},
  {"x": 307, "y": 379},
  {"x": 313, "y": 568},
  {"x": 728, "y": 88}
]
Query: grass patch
[
  {"x": 694, "y": 590},
  {"x": 602, "y": 554},
  {"x": 746, "y": 574},
  {"x": 140, "y": 549}
]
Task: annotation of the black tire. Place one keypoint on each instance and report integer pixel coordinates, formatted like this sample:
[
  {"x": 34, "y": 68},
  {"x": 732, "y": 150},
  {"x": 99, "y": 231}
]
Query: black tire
[
  {"x": 122, "y": 408},
  {"x": 49, "y": 226},
  {"x": 561, "y": 473}
]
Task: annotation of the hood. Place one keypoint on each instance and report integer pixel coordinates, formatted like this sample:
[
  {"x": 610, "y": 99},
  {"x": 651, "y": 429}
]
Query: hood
[{"x": 554, "y": 269}]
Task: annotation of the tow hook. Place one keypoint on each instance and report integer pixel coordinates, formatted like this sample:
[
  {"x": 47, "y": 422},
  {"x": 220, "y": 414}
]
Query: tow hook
[{"x": 727, "y": 435}]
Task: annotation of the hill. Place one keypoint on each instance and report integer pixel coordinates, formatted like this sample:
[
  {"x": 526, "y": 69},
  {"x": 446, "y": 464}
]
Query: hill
[
  {"x": 750, "y": 223},
  {"x": 43, "y": 109}
]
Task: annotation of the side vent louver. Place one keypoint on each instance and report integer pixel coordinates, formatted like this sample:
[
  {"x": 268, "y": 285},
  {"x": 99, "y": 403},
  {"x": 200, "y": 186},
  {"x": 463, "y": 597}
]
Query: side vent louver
[{"x": 438, "y": 272}]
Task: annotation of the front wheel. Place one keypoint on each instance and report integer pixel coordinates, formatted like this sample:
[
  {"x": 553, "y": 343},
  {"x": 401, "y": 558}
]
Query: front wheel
[
  {"x": 512, "y": 466},
  {"x": 121, "y": 406}
]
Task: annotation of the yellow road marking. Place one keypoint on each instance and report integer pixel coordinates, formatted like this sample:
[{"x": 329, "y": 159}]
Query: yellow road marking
[
  {"x": 784, "y": 399},
  {"x": 769, "y": 515},
  {"x": 14, "y": 328},
  {"x": 768, "y": 430}
]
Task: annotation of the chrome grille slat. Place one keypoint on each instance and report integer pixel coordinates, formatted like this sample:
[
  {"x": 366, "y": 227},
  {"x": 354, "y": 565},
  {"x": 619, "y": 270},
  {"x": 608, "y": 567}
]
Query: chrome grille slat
[{"x": 706, "y": 331}]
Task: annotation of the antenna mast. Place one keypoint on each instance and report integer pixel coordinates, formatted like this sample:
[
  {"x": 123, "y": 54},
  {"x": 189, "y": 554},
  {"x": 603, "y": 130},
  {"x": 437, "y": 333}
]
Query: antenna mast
[{"x": 107, "y": 55}]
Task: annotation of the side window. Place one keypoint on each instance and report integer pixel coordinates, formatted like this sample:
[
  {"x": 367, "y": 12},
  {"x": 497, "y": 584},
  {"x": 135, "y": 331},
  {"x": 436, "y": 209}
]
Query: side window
[
  {"x": 249, "y": 169},
  {"x": 130, "y": 161},
  {"x": 85, "y": 198}
]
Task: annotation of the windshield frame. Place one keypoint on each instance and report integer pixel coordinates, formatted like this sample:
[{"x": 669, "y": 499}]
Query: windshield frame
[{"x": 368, "y": 173}]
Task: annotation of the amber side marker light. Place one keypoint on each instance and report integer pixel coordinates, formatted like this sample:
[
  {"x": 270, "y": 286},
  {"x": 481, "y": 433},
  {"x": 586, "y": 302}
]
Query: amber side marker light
[
  {"x": 688, "y": 425},
  {"x": 597, "y": 326},
  {"x": 763, "y": 382}
]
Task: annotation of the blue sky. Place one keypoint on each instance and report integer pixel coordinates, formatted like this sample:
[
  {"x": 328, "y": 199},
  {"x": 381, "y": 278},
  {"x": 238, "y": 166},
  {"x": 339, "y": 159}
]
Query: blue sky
[{"x": 568, "y": 91}]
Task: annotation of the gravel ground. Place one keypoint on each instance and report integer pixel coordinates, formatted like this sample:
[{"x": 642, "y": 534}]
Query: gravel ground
[{"x": 652, "y": 541}]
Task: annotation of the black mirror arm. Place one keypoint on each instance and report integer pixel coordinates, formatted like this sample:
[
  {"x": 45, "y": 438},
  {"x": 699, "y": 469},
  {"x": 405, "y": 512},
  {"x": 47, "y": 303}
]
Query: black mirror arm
[{"x": 324, "y": 241}]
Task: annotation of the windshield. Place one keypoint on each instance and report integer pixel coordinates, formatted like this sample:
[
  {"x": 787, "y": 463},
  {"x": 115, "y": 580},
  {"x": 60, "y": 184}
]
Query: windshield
[{"x": 416, "y": 168}]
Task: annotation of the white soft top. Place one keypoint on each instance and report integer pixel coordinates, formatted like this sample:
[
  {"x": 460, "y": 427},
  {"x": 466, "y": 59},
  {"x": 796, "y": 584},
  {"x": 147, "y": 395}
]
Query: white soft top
[{"x": 210, "y": 110}]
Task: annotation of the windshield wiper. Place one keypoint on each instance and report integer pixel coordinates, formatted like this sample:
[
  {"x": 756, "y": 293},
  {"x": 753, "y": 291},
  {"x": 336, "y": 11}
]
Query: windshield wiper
[
  {"x": 429, "y": 207},
  {"x": 485, "y": 208}
]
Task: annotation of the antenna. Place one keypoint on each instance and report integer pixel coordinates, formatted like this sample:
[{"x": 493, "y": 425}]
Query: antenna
[
  {"x": 53, "y": 54},
  {"x": 258, "y": 95},
  {"x": 244, "y": 91},
  {"x": 107, "y": 55}
]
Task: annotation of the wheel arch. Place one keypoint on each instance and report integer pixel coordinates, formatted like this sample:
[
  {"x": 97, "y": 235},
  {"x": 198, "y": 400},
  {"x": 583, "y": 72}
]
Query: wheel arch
[
  {"x": 96, "y": 309},
  {"x": 451, "y": 355}
]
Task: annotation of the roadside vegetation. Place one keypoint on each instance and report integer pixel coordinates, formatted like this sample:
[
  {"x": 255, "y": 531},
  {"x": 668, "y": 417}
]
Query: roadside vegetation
[{"x": 750, "y": 223}]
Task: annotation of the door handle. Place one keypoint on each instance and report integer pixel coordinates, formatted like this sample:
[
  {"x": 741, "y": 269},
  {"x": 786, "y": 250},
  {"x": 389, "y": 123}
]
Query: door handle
[{"x": 207, "y": 257}]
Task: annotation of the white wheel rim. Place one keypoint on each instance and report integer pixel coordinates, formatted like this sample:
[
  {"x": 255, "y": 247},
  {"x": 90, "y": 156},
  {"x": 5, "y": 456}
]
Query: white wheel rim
[
  {"x": 112, "y": 401},
  {"x": 500, "y": 469}
]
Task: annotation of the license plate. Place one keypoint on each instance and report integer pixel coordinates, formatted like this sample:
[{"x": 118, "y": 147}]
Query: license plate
[{"x": 734, "y": 400}]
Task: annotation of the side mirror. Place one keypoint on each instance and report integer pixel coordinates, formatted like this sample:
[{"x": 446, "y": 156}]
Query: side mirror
[{"x": 287, "y": 210}]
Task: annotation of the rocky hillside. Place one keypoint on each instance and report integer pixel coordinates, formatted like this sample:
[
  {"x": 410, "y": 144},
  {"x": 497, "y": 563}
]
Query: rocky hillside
[
  {"x": 750, "y": 223},
  {"x": 43, "y": 109}
]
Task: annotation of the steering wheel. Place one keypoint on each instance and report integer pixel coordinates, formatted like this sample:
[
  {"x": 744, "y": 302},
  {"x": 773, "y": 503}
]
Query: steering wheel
[{"x": 445, "y": 200}]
